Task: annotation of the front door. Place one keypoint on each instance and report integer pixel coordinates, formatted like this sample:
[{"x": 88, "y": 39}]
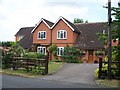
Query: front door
[{"x": 90, "y": 56}]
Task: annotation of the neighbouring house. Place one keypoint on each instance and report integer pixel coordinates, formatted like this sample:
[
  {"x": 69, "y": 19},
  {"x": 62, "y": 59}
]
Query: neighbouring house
[
  {"x": 62, "y": 33},
  {"x": 24, "y": 37}
]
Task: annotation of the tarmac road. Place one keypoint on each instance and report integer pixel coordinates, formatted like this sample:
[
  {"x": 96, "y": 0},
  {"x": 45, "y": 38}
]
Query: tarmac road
[
  {"x": 9, "y": 81},
  {"x": 70, "y": 76}
]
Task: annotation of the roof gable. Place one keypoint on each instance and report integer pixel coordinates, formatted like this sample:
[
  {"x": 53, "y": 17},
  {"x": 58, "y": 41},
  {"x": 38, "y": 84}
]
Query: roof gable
[
  {"x": 46, "y": 22},
  {"x": 24, "y": 31},
  {"x": 69, "y": 24}
]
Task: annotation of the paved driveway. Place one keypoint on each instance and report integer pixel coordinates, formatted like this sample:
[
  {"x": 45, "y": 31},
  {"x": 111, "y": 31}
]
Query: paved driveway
[{"x": 75, "y": 73}]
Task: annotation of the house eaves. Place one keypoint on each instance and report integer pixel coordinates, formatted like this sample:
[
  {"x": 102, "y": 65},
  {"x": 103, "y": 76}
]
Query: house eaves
[
  {"x": 44, "y": 21},
  {"x": 61, "y": 18}
]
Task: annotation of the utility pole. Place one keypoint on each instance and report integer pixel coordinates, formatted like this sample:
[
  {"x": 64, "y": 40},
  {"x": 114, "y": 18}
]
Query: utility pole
[{"x": 109, "y": 40}]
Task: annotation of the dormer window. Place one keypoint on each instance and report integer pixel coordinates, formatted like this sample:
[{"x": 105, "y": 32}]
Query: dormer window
[
  {"x": 19, "y": 38},
  {"x": 42, "y": 35},
  {"x": 62, "y": 34}
]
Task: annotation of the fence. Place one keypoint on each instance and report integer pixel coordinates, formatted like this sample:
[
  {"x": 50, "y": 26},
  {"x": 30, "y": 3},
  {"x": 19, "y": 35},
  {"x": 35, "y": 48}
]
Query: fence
[
  {"x": 18, "y": 62},
  {"x": 104, "y": 62}
]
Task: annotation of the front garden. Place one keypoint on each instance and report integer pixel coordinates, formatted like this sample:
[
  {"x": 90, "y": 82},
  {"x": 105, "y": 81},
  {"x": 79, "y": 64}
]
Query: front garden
[{"x": 17, "y": 61}]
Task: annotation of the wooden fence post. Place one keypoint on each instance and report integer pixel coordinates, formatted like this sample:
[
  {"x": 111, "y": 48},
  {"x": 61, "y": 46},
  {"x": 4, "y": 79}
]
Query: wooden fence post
[
  {"x": 100, "y": 68},
  {"x": 46, "y": 64}
]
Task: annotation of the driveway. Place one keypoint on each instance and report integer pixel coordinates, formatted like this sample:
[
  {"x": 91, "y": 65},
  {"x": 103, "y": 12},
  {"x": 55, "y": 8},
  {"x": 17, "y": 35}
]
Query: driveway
[{"x": 74, "y": 73}]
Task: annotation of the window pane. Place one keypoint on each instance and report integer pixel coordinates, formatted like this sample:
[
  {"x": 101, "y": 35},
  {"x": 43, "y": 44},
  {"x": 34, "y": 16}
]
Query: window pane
[
  {"x": 39, "y": 35},
  {"x": 57, "y": 51},
  {"x": 61, "y": 34},
  {"x": 64, "y": 34},
  {"x": 58, "y": 34},
  {"x": 44, "y": 34},
  {"x": 60, "y": 51},
  {"x": 43, "y": 50}
]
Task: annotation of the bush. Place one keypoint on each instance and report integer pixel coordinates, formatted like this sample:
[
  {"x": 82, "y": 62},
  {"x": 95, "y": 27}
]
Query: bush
[
  {"x": 114, "y": 73},
  {"x": 115, "y": 57},
  {"x": 6, "y": 60},
  {"x": 38, "y": 70},
  {"x": 33, "y": 55},
  {"x": 52, "y": 48},
  {"x": 70, "y": 55}
]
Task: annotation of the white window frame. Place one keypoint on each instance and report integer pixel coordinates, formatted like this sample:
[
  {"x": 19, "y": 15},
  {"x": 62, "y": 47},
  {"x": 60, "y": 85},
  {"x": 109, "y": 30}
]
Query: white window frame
[
  {"x": 39, "y": 48},
  {"x": 20, "y": 37},
  {"x": 59, "y": 51},
  {"x": 60, "y": 31},
  {"x": 103, "y": 31},
  {"x": 39, "y": 33}
]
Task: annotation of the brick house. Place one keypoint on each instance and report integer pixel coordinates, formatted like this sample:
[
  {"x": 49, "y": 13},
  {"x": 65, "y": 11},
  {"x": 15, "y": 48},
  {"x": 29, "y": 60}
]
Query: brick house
[
  {"x": 62, "y": 33},
  {"x": 24, "y": 37}
]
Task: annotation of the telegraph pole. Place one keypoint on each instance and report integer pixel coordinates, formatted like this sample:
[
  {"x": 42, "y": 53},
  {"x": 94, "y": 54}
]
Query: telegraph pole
[{"x": 109, "y": 40}]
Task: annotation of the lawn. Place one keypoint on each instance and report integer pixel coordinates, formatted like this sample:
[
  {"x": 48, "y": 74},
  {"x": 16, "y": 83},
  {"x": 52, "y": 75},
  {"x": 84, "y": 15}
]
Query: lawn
[
  {"x": 53, "y": 67},
  {"x": 109, "y": 83}
]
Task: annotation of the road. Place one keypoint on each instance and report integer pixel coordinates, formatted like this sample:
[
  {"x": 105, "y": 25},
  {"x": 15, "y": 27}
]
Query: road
[
  {"x": 70, "y": 76},
  {"x": 9, "y": 81}
]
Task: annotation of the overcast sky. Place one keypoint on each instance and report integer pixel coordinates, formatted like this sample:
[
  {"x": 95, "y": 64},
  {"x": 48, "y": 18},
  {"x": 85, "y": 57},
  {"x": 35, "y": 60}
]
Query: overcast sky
[{"x": 15, "y": 14}]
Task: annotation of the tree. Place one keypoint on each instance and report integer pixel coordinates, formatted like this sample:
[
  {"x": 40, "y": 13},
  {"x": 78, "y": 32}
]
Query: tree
[
  {"x": 77, "y": 20},
  {"x": 116, "y": 22},
  {"x": 115, "y": 27},
  {"x": 71, "y": 54},
  {"x": 7, "y": 43},
  {"x": 17, "y": 50},
  {"x": 115, "y": 36}
]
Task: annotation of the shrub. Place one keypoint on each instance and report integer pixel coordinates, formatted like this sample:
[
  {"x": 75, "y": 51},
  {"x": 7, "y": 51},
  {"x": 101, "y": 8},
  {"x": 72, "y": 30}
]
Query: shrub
[
  {"x": 33, "y": 55},
  {"x": 114, "y": 73},
  {"x": 38, "y": 70},
  {"x": 70, "y": 55},
  {"x": 115, "y": 57},
  {"x": 52, "y": 48},
  {"x": 6, "y": 60}
]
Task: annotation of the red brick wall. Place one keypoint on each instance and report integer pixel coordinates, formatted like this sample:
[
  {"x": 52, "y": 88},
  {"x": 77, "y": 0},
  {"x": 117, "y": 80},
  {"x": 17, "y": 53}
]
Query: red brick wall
[
  {"x": 41, "y": 27},
  {"x": 71, "y": 36}
]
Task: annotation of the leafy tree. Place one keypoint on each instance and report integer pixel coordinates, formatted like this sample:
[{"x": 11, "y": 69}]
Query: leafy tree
[
  {"x": 53, "y": 49},
  {"x": 77, "y": 20},
  {"x": 115, "y": 49},
  {"x": 71, "y": 54},
  {"x": 17, "y": 50},
  {"x": 7, "y": 43},
  {"x": 116, "y": 22}
]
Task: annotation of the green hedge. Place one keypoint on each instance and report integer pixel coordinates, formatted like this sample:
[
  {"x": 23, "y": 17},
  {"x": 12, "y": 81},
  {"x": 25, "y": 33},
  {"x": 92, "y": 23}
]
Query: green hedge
[{"x": 33, "y": 55}]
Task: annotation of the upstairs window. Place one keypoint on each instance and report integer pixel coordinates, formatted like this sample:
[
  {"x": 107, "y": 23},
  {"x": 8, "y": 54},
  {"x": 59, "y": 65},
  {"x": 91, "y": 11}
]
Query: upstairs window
[
  {"x": 42, "y": 35},
  {"x": 19, "y": 38},
  {"x": 60, "y": 51},
  {"x": 41, "y": 50},
  {"x": 62, "y": 34}
]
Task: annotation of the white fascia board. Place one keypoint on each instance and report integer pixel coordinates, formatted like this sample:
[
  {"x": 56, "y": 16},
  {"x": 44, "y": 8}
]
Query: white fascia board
[
  {"x": 63, "y": 20},
  {"x": 39, "y": 24}
]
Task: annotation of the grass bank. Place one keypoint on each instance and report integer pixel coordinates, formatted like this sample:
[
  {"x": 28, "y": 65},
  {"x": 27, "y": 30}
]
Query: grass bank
[
  {"x": 109, "y": 83},
  {"x": 52, "y": 67}
]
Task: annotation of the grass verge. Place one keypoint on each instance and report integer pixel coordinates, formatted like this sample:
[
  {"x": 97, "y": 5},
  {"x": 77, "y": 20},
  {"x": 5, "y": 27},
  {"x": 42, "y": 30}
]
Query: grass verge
[
  {"x": 109, "y": 83},
  {"x": 53, "y": 67}
]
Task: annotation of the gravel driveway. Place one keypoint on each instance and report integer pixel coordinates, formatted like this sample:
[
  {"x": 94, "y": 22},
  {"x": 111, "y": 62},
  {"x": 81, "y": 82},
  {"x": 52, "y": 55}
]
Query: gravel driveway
[{"x": 75, "y": 73}]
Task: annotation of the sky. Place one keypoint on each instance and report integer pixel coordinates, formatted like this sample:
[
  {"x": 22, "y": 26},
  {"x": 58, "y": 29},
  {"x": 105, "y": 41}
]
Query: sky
[{"x": 15, "y": 14}]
